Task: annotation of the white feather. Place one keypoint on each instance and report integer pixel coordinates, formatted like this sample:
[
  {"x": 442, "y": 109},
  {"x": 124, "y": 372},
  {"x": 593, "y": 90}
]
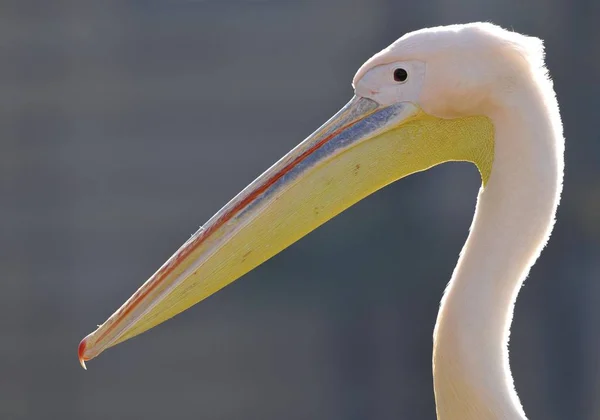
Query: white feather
[{"x": 482, "y": 69}]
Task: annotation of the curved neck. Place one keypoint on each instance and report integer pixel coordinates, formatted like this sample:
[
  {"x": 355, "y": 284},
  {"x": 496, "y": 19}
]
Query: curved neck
[{"x": 513, "y": 221}]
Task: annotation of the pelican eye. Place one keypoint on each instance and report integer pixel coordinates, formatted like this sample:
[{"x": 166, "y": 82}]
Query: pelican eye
[{"x": 400, "y": 75}]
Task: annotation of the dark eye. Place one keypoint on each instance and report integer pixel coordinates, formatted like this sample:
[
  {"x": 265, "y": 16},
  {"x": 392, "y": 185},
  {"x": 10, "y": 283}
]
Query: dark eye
[{"x": 400, "y": 75}]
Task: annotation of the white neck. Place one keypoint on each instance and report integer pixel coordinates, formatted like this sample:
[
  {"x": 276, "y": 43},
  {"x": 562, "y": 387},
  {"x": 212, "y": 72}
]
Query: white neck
[{"x": 513, "y": 221}]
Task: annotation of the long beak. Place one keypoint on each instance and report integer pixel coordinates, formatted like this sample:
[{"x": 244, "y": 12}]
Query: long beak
[{"x": 362, "y": 148}]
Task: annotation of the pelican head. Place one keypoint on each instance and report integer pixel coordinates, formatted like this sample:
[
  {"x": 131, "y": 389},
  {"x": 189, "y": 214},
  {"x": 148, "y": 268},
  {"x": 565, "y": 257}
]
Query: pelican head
[{"x": 433, "y": 96}]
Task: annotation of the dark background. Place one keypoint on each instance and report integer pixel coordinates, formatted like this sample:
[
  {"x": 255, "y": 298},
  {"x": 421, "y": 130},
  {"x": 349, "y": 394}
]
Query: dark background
[{"x": 126, "y": 124}]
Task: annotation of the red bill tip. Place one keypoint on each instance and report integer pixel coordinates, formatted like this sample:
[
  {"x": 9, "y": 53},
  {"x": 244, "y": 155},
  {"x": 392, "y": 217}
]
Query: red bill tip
[{"x": 81, "y": 351}]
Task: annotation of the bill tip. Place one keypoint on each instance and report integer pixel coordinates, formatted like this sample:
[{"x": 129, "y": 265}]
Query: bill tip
[{"x": 80, "y": 353}]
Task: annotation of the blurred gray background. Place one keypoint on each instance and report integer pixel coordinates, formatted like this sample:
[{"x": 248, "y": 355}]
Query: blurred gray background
[{"x": 126, "y": 124}]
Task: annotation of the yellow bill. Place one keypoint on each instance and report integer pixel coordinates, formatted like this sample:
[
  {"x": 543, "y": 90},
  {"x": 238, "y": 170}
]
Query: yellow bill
[{"x": 364, "y": 147}]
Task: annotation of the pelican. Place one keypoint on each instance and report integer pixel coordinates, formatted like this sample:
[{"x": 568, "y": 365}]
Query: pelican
[{"x": 472, "y": 92}]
